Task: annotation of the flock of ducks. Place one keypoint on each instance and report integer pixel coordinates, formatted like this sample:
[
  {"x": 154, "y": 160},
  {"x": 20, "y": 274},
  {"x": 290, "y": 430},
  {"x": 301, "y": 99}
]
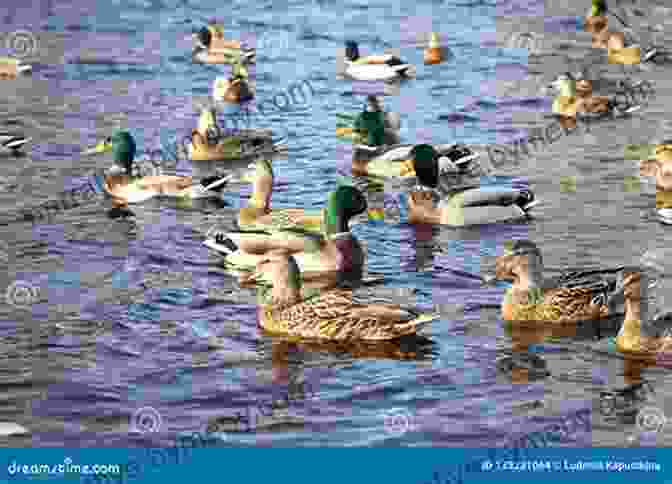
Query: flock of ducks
[{"x": 288, "y": 251}]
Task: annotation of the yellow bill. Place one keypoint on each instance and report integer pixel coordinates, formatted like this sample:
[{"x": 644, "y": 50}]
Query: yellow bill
[{"x": 102, "y": 147}]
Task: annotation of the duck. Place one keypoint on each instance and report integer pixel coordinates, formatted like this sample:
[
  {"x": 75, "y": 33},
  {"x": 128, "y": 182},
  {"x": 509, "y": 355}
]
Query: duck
[
  {"x": 466, "y": 202},
  {"x": 213, "y": 48},
  {"x": 384, "y": 67},
  {"x": 331, "y": 315},
  {"x": 258, "y": 214},
  {"x": 235, "y": 89},
  {"x": 327, "y": 258},
  {"x": 124, "y": 187},
  {"x": 660, "y": 167},
  {"x": 575, "y": 296},
  {"x": 209, "y": 143},
  {"x": 373, "y": 126},
  {"x": 11, "y": 68},
  {"x": 12, "y": 143}
]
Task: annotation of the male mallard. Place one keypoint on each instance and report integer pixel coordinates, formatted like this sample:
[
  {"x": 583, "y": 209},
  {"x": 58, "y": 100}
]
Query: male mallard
[
  {"x": 12, "y": 143},
  {"x": 575, "y": 296},
  {"x": 373, "y": 68},
  {"x": 466, "y": 203},
  {"x": 125, "y": 187},
  {"x": 213, "y": 48},
  {"x": 12, "y": 68},
  {"x": 332, "y": 255},
  {"x": 234, "y": 89},
  {"x": 372, "y": 126},
  {"x": 258, "y": 214},
  {"x": 331, "y": 315},
  {"x": 209, "y": 143}
]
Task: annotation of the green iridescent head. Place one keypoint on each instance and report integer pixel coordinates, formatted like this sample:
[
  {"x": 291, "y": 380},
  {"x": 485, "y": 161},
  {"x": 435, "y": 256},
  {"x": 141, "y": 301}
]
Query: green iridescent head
[
  {"x": 598, "y": 8},
  {"x": 343, "y": 203},
  {"x": 122, "y": 146}
]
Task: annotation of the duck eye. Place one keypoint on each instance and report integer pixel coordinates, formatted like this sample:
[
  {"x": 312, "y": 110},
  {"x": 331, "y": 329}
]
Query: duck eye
[{"x": 108, "y": 140}]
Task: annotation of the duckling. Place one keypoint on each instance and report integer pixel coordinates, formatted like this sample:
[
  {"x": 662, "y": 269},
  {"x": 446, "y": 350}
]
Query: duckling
[
  {"x": 328, "y": 258},
  {"x": 466, "y": 203},
  {"x": 12, "y": 68},
  {"x": 213, "y": 48},
  {"x": 574, "y": 297},
  {"x": 258, "y": 214},
  {"x": 235, "y": 89},
  {"x": 332, "y": 315},
  {"x": 12, "y": 143},
  {"x": 375, "y": 67}
]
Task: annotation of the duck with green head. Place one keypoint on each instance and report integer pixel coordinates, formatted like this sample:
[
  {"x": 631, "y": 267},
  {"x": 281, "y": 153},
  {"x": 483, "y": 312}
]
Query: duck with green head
[
  {"x": 462, "y": 201},
  {"x": 212, "y": 48},
  {"x": 326, "y": 259},
  {"x": 125, "y": 186},
  {"x": 384, "y": 67},
  {"x": 331, "y": 315}
]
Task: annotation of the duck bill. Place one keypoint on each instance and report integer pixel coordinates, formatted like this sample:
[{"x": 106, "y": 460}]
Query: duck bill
[{"x": 102, "y": 147}]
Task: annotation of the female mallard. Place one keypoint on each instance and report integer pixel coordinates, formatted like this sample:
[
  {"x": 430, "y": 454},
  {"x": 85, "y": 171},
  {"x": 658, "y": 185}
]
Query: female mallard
[
  {"x": 573, "y": 297},
  {"x": 330, "y": 257},
  {"x": 372, "y": 127},
  {"x": 332, "y": 315},
  {"x": 258, "y": 214},
  {"x": 12, "y": 68},
  {"x": 661, "y": 168},
  {"x": 12, "y": 143},
  {"x": 235, "y": 89},
  {"x": 467, "y": 203},
  {"x": 125, "y": 187},
  {"x": 373, "y": 68},
  {"x": 213, "y": 48}
]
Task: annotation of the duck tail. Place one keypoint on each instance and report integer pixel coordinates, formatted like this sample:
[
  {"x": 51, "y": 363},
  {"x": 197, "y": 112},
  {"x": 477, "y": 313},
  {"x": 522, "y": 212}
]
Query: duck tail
[{"x": 416, "y": 324}]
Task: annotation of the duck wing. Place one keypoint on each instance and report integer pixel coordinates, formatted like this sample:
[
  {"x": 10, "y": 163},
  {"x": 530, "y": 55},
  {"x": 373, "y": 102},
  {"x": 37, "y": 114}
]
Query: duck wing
[{"x": 602, "y": 287}]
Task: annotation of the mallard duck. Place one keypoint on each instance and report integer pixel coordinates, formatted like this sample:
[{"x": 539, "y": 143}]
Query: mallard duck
[
  {"x": 372, "y": 126},
  {"x": 660, "y": 167},
  {"x": 332, "y": 315},
  {"x": 575, "y": 296},
  {"x": 466, "y": 203},
  {"x": 209, "y": 143},
  {"x": 124, "y": 187},
  {"x": 435, "y": 53},
  {"x": 258, "y": 214},
  {"x": 332, "y": 256},
  {"x": 12, "y": 143},
  {"x": 375, "y": 67},
  {"x": 213, "y": 48},
  {"x": 235, "y": 89},
  {"x": 12, "y": 68}
]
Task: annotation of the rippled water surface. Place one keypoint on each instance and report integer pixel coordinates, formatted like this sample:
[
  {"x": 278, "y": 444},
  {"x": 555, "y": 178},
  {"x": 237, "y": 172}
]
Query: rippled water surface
[{"x": 99, "y": 345}]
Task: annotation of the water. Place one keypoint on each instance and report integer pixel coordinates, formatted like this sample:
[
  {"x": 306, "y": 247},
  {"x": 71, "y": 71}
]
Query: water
[{"x": 93, "y": 356}]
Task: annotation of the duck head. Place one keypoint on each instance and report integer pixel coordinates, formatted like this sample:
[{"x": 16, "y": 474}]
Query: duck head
[
  {"x": 598, "y": 8},
  {"x": 351, "y": 50},
  {"x": 521, "y": 259},
  {"x": 342, "y": 204},
  {"x": 204, "y": 37},
  {"x": 425, "y": 162},
  {"x": 122, "y": 146}
]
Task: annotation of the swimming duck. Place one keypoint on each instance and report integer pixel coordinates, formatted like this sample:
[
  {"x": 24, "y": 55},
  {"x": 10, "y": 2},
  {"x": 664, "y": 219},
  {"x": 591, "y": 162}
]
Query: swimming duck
[
  {"x": 213, "y": 48},
  {"x": 331, "y": 257},
  {"x": 373, "y": 126},
  {"x": 12, "y": 143},
  {"x": 466, "y": 203},
  {"x": 235, "y": 89},
  {"x": 375, "y": 67},
  {"x": 258, "y": 214},
  {"x": 121, "y": 184},
  {"x": 573, "y": 297},
  {"x": 660, "y": 167},
  {"x": 12, "y": 68},
  {"x": 209, "y": 143},
  {"x": 331, "y": 315}
]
